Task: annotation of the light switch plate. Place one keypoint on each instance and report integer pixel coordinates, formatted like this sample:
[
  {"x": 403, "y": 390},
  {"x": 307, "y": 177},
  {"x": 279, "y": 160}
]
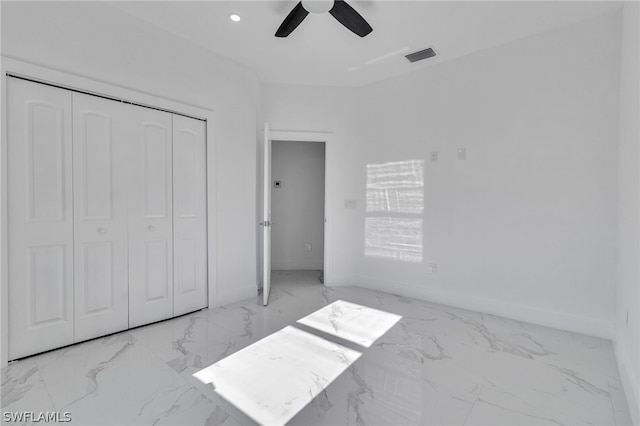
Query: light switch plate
[
  {"x": 433, "y": 268},
  {"x": 350, "y": 204}
]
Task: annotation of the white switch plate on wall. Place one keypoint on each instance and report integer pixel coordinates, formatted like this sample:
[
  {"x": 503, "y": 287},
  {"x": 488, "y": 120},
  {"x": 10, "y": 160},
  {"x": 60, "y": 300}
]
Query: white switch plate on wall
[
  {"x": 433, "y": 268},
  {"x": 350, "y": 204}
]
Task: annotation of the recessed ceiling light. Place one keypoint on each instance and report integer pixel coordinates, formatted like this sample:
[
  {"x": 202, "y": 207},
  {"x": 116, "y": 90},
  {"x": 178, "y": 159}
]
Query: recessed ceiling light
[{"x": 234, "y": 17}]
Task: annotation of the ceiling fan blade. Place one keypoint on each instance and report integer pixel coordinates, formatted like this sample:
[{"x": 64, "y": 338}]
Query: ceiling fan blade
[
  {"x": 351, "y": 19},
  {"x": 291, "y": 22}
]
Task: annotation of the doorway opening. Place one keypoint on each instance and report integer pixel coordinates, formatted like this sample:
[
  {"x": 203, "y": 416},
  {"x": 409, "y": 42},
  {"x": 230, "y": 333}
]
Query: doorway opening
[
  {"x": 325, "y": 212},
  {"x": 298, "y": 207}
]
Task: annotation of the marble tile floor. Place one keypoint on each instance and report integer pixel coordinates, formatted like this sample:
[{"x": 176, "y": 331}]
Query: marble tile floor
[{"x": 437, "y": 365}]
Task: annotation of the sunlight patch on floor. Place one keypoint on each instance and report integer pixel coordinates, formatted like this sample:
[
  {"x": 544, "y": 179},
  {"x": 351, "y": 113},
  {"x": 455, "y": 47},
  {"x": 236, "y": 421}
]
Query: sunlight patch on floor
[
  {"x": 276, "y": 377},
  {"x": 356, "y": 323}
]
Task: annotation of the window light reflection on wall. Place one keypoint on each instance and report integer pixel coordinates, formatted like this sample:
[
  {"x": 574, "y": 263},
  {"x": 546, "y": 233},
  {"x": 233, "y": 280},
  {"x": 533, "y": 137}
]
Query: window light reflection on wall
[{"x": 395, "y": 203}]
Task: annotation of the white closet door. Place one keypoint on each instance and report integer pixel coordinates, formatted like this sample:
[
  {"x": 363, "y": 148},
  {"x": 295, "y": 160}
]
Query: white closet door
[
  {"x": 189, "y": 215},
  {"x": 100, "y": 211},
  {"x": 150, "y": 216},
  {"x": 40, "y": 218}
]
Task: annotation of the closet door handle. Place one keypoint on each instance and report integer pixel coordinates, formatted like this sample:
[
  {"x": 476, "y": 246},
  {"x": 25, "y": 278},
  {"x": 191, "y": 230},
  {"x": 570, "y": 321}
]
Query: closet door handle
[
  {"x": 151, "y": 228},
  {"x": 102, "y": 230}
]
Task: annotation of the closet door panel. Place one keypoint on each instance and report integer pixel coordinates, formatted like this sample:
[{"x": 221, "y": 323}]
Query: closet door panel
[
  {"x": 189, "y": 221},
  {"x": 40, "y": 231},
  {"x": 150, "y": 216},
  {"x": 100, "y": 207}
]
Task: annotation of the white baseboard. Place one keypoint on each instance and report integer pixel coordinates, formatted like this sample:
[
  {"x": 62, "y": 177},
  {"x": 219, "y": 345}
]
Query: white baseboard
[
  {"x": 301, "y": 265},
  {"x": 560, "y": 320},
  {"x": 235, "y": 294},
  {"x": 629, "y": 385},
  {"x": 344, "y": 281}
]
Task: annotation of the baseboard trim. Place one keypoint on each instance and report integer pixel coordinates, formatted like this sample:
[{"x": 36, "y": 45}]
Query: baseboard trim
[
  {"x": 235, "y": 294},
  {"x": 560, "y": 320},
  {"x": 343, "y": 282},
  {"x": 631, "y": 388},
  {"x": 311, "y": 264}
]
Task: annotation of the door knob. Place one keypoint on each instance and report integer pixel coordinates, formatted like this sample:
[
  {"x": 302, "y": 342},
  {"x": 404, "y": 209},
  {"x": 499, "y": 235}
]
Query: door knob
[
  {"x": 152, "y": 228},
  {"x": 102, "y": 230}
]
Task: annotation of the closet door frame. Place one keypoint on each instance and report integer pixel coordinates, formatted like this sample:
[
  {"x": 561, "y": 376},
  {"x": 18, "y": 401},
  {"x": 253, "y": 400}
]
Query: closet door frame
[{"x": 73, "y": 82}]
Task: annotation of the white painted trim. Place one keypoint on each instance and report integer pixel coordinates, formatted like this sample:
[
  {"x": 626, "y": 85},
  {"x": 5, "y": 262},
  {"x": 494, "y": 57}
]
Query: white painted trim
[
  {"x": 350, "y": 281},
  {"x": 267, "y": 155},
  {"x": 212, "y": 213},
  {"x": 631, "y": 389},
  {"x": 75, "y": 82},
  {"x": 4, "y": 243},
  {"x": 235, "y": 294},
  {"x": 300, "y": 265},
  {"x": 547, "y": 318},
  {"x": 329, "y": 164}
]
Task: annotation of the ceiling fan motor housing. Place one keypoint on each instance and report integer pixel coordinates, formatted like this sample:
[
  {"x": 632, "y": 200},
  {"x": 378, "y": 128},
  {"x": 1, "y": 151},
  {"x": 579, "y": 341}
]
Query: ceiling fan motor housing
[
  {"x": 339, "y": 9},
  {"x": 317, "y": 6}
]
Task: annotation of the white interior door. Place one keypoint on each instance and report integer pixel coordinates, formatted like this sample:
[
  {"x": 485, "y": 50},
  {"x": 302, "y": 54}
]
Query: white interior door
[
  {"x": 150, "y": 216},
  {"x": 100, "y": 217},
  {"x": 189, "y": 215},
  {"x": 40, "y": 212},
  {"x": 266, "y": 219}
]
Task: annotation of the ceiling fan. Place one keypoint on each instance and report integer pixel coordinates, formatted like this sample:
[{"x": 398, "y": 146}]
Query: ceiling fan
[{"x": 339, "y": 9}]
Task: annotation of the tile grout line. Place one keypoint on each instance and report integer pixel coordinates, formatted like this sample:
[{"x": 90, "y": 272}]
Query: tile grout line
[
  {"x": 474, "y": 405},
  {"x": 166, "y": 363},
  {"x": 613, "y": 408},
  {"x": 47, "y": 388}
]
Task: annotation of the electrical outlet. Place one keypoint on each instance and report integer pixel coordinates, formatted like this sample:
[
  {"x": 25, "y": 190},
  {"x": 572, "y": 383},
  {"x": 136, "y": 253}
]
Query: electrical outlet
[
  {"x": 433, "y": 268},
  {"x": 434, "y": 157},
  {"x": 308, "y": 247}
]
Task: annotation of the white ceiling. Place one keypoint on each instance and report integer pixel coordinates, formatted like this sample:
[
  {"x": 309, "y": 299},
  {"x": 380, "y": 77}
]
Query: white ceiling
[{"x": 322, "y": 52}]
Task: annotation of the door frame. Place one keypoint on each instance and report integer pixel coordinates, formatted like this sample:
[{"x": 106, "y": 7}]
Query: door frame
[
  {"x": 267, "y": 145},
  {"x": 74, "y": 82},
  {"x": 327, "y": 138}
]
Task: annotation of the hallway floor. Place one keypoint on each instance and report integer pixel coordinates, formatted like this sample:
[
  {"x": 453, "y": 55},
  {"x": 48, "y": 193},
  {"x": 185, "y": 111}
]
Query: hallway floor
[{"x": 438, "y": 366}]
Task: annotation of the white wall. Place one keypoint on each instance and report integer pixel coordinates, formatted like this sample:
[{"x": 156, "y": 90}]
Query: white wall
[
  {"x": 297, "y": 206},
  {"x": 627, "y": 341},
  {"x": 526, "y": 226},
  {"x": 94, "y": 40}
]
